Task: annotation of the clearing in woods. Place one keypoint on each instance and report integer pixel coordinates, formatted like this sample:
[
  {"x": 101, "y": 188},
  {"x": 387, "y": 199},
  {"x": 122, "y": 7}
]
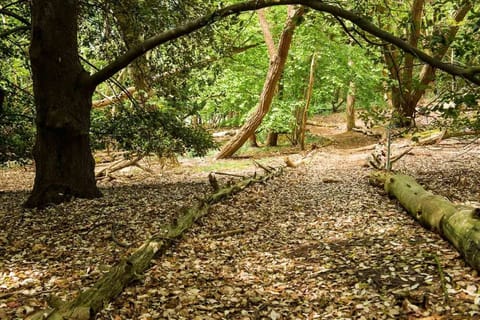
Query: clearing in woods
[{"x": 317, "y": 242}]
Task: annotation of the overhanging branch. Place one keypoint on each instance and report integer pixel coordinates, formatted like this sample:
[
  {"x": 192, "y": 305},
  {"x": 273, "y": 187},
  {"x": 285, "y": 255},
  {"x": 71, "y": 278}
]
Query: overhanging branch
[{"x": 471, "y": 74}]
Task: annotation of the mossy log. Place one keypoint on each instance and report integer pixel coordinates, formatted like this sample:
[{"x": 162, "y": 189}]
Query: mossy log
[
  {"x": 89, "y": 302},
  {"x": 457, "y": 223}
]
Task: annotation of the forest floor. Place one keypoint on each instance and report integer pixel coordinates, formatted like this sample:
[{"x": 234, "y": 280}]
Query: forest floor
[{"x": 318, "y": 242}]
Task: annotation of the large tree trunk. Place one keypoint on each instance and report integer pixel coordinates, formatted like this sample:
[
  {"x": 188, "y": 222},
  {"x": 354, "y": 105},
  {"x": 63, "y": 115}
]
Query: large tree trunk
[
  {"x": 63, "y": 159},
  {"x": 270, "y": 87},
  {"x": 458, "y": 224}
]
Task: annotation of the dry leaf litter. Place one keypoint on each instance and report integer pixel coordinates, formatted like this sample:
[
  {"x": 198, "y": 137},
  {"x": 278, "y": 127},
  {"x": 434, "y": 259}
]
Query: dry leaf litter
[{"x": 316, "y": 243}]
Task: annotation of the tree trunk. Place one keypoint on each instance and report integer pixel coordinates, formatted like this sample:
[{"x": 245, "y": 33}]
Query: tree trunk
[
  {"x": 350, "y": 108},
  {"x": 269, "y": 88},
  {"x": 132, "y": 34},
  {"x": 458, "y": 224},
  {"x": 406, "y": 95},
  {"x": 427, "y": 74},
  {"x": 350, "y": 111},
  {"x": 272, "y": 139},
  {"x": 253, "y": 141},
  {"x": 63, "y": 159},
  {"x": 308, "y": 98}
]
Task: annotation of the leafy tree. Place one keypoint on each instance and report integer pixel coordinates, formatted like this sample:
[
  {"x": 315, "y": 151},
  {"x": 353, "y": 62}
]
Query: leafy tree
[
  {"x": 431, "y": 26},
  {"x": 63, "y": 89}
]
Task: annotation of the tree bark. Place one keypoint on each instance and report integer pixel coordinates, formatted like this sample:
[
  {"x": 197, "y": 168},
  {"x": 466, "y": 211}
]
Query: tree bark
[
  {"x": 267, "y": 35},
  {"x": 273, "y": 76},
  {"x": 350, "y": 111},
  {"x": 63, "y": 159},
  {"x": 350, "y": 107},
  {"x": 272, "y": 139},
  {"x": 458, "y": 224},
  {"x": 308, "y": 98}
]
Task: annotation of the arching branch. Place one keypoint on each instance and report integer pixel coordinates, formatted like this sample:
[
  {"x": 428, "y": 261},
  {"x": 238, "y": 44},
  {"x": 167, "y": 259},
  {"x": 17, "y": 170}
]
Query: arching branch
[
  {"x": 14, "y": 15},
  {"x": 13, "y": 30},
  {"x": 470, "y": 73}
]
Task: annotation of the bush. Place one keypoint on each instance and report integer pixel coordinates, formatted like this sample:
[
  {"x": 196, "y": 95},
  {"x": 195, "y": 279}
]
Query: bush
[{"x": 160, "y": 131}]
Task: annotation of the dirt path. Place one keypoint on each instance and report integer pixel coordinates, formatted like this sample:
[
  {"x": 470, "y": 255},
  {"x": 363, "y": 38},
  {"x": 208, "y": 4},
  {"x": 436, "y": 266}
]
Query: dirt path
[{"x": 304, "y": 247}]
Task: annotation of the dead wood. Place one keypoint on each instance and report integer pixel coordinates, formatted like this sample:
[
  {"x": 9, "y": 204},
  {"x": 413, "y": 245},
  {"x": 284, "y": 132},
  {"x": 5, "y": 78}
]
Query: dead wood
[
  {"x": 294, "y": 164},
  {"x": 119, "y": 165},
  {"x": 460, "y": 225},
  {"x": 89, "y": 302},
  {"x": 445, "y": 134},
  {"x": 113, "y": 99}
]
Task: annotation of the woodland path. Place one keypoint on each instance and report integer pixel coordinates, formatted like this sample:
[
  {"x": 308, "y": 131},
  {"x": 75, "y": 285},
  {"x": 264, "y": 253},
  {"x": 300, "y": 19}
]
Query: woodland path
[{"x": 316, "y": 243}]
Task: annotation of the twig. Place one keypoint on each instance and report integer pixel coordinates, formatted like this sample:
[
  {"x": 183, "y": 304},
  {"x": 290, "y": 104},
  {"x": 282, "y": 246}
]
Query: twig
[
  {"x": 399, "y": 156},
  {"x": 442, "y": 279},
  {"x": 89, "y": 229},
  {"x": 268, "y": 170},
  {"x": 115, "y": 239},
  {"x": 229, "y": 174}
]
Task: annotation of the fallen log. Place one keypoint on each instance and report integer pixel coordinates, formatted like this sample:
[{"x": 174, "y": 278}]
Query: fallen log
[
  {"x": 89, "y": 302},
  {"x": 459, "y": 224},
  {"x": 119, "y": 165}
]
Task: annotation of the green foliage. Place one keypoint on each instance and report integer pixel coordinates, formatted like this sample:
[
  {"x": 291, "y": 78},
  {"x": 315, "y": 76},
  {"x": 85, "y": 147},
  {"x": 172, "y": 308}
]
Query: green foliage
[
  {"x": 16, "y": 125},
  {"x": 161, "y": 131},
  {"x": 281, "y": 118},
  {"x": 237, "y": 88},
  {"x": 17, "y": 112}
]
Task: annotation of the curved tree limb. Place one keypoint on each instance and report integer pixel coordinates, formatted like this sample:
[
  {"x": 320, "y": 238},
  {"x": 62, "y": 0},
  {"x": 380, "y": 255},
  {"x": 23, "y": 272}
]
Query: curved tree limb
[{"x": 470, "y": 73}]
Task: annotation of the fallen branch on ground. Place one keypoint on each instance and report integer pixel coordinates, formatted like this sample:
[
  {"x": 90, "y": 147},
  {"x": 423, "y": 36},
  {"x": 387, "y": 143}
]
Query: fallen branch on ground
[
  {"x": 460, "y": 225},
  {"x": 378, "y": 158},
  {"x": 445, "y": 134},
  {"x": 368, "y": 132},
  {"x": 293, "y": 164},
  {"x": 89, "y": 302},
  {"x": 119, "y": 165}
]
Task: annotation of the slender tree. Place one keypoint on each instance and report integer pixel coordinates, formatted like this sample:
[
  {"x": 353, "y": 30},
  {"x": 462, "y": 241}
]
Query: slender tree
[{"x": 277, "y": 64}]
